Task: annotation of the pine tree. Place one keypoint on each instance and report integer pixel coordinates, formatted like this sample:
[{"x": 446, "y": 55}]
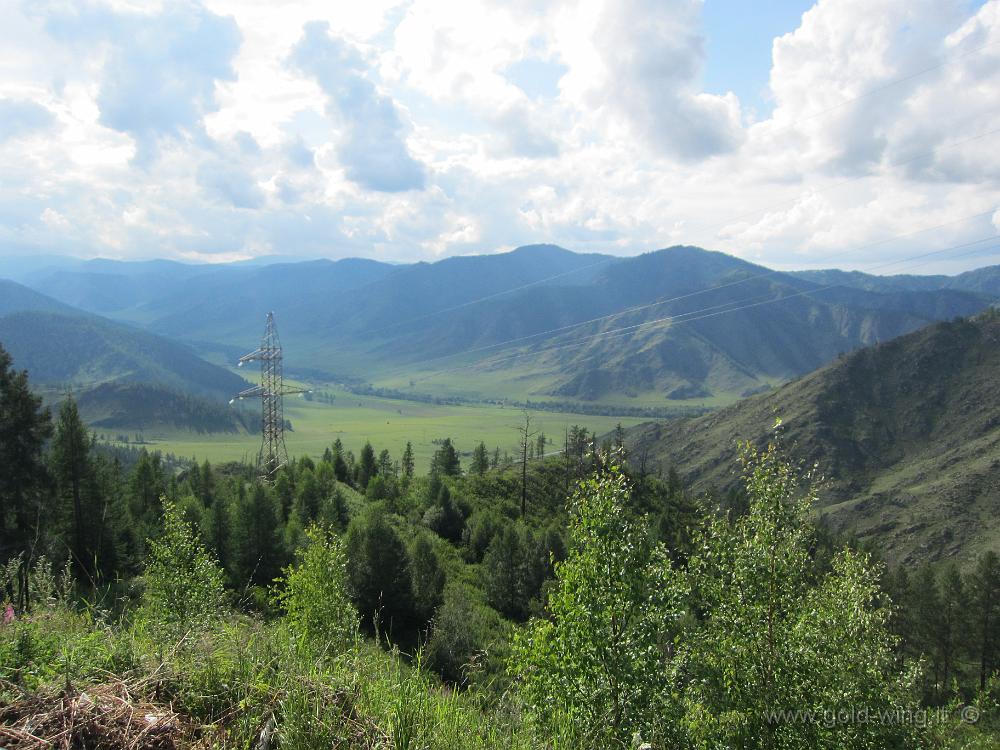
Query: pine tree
[
  {"x": 428, "y": 578},
  {"x": 480, "y": 460},
  {"x": 378, "y": 569},
  {"x": 339, "y": 465},
  {"x": 445, "y": 461},
  {"x": 284, "y": 490},
  {"x": 503, "y": 566},
  {"x": 384, "y": 464},
  {"x": 146, "y": 486},
  {"x": 952, "y": 625},
  {"x": 24, "y": 428},
  {"x": 334, "y": 512},
  {"x": 72, "y": 469},
  {"x": 216, "y": 532},
  {"x": 540, "y": 445},
  {"x": 444, "y": 518},
  {"x": 307, "y": 499},
  {"x": 367, "y": 467},
  {"x": 258, "y": 552},
  {"x": 408, "y": 460},
  {"x": 984, "y": 594}
]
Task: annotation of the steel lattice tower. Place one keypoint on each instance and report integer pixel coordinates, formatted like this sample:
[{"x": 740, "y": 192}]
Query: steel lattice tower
[{"x": 271, "y": 391}]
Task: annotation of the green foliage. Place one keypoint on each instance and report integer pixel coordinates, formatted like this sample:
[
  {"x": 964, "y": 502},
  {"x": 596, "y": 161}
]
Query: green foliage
[
  {"x": 601, "y": 660},
  {"x": 379, "y": 572},
  {"x": 503, "y": 572},
  {"x": 444, "y": 518},
  {"x": 314, "y": 594},
  {"x": 366, "y": 468},
  {"x": 446, "y": 461},
  {"x": 183, "y": 582},
  {"x": 428, "y": 578},
  {"x": 480, "y": 460},
  {"x": 465, "y": 634},
  {"x": 984, "y": 593},
  {"x": 24, "y": 428},
  {"x": 777, "y": 637},
  {"x": 257, "y": 547}
]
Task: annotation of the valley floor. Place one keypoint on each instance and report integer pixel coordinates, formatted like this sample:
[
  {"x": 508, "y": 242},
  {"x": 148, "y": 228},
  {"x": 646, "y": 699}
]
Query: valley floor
[{"x": 336, "y": 413}]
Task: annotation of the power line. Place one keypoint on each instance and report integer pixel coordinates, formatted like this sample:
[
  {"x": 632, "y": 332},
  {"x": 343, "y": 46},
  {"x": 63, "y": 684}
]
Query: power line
[
  {"x": 717, "y": 226},
  {"x": 765, "y": 209},
  {"x": 702, "y": 314},
  {"x": 688, "y": 295}
]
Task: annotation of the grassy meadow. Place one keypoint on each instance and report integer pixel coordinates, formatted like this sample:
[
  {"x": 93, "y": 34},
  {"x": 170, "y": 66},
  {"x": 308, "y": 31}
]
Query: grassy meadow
[{"x": 387, "y": 423}]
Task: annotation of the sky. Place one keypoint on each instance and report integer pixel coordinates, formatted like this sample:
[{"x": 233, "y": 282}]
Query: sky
[{"x": 850, "y": 133}]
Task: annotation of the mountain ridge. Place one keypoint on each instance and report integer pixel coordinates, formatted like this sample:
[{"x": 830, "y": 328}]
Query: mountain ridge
[
  {"x": 906, "y": 433},
  {"x": 540, "y": 321}
]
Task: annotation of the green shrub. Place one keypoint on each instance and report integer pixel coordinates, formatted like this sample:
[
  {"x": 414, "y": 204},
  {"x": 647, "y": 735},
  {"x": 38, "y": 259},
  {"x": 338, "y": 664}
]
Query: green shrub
[
  {"x": 314, "y": 595},
  {"x": 183, "y": 582},
  {"x": 598, "y": 662},
  {"x": 783, "y": 651}
]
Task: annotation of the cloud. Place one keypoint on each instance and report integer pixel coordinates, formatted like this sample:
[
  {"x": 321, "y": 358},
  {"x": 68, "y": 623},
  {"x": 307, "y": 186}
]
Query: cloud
[
  {"x": 373, "y": 148},
  {"x": 159, "y": 69},
  {"x": 230, "y": 183},
  {"x": 20, "y": 117},
  {"x": 414, "y": 130},
  {"x": 652, "y": 53}
]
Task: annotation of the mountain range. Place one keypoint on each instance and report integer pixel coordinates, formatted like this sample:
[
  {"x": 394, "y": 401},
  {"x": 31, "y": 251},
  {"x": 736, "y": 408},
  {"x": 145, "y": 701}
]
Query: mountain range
[
  {"x": 905, "y": 433},
  {"x": 675, "y": 325},
  {"x": 122, "y": 376}
]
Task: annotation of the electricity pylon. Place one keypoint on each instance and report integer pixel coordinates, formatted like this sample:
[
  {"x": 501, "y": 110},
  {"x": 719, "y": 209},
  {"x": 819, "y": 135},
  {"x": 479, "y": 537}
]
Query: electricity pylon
[{"x": 273, "y": 453}]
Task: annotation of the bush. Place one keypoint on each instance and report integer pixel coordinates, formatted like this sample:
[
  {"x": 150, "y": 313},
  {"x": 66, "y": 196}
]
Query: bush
[
  {"x": 599, "y": 662},
  {"x": 183, "y": 582},
  {"x": 314, "y": 595},
  {"x": 463, "y": 633},
  {"x": 778, "y": 636}
]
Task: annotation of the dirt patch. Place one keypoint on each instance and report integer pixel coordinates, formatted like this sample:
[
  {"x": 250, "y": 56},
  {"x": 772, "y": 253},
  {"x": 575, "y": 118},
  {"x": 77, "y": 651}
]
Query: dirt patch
[{"x": 112, "y": 716}]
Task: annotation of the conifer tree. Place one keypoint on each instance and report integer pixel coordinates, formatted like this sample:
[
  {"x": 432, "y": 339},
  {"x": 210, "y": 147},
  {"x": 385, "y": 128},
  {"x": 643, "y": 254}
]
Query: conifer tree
[
  {"x": 24, "y": 427},
  {"x": 984, "y": 595},
  {"x": 384, "y": 464},
  {"x": 367, "y": 466},
  {"x": 258, "y": 552},
  {"x": 953, "y": 622},
  {"x": 72, "y": 469},
  {"x": 378, "y": 569},
  {"x": 428, "y": 578},
  {"x": 146, "y": 486},
  {"x": 307, "y": 498},
  {"x": 445, "y": 461},
  {"x": 480, "y": 460},
  {"x": 503, "y": 567},
  {"x": 406, "y": 462}
]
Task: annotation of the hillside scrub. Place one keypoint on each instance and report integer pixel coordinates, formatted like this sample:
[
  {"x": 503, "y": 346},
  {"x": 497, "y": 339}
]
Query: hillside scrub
[{"x": 314, "y": 613}]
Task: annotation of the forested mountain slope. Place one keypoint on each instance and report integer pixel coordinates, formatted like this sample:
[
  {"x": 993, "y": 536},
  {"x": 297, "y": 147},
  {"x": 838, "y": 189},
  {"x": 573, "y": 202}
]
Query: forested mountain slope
[{"x": 907, "y": 434}]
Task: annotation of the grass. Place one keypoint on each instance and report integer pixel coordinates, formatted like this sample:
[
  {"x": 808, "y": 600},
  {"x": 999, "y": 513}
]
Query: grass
[
  {"x": 387, "y": 423},
  {"x": 525, "y": 382}
]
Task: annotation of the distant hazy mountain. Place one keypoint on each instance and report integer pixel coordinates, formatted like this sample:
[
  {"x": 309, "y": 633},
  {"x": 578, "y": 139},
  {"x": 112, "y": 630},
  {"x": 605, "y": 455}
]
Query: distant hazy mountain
[
  {"x": 62, "y": 346},
  {"x": 985, "y": 280},
  {"x": 17, "y": 298},
  {"x": 906, "y": 433},
  {"x": 688, "y": 324}
]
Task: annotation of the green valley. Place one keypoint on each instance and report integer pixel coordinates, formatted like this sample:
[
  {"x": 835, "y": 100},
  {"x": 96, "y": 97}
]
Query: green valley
[{"x": 388, "y": 423}]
